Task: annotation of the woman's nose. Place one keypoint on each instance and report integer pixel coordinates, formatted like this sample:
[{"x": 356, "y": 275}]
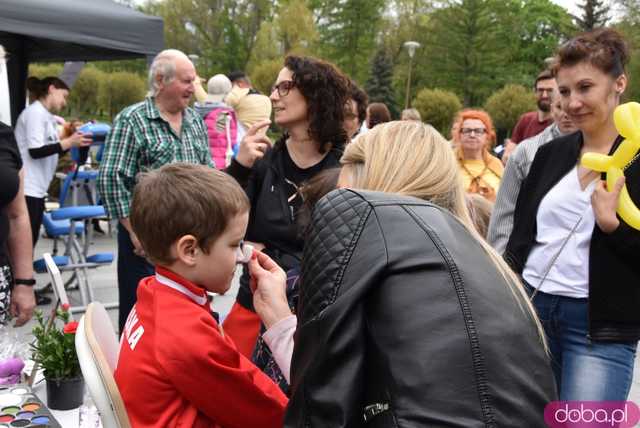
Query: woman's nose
[{"x": 573, "y": 103}]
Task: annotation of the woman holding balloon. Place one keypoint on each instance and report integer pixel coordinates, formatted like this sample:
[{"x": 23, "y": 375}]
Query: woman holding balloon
[{"x": 576, "y": 256}]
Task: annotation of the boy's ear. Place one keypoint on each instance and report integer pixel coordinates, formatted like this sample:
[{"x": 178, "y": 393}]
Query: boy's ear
[{"x": 186, "y": 249}]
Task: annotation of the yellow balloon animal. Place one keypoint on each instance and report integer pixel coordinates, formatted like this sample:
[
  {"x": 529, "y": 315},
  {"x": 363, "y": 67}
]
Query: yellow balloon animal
[{"x": 627, "y": 120}]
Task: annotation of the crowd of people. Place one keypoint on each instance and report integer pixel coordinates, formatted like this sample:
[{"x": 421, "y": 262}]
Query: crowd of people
[{"x": 396, "y": 278}]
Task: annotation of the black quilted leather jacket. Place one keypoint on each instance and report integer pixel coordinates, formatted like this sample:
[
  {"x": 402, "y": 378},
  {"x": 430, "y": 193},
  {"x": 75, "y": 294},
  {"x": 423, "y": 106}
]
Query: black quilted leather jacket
[{"x": 403, "y": 321}]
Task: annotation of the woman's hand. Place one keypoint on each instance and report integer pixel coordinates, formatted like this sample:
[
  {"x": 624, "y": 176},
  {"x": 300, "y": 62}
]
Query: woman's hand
[
  {"x": 77, "y": 139},
  {"x": 23, "y": 301},
  {"x": 254, "y": 144},
  {"x": 268, "y": 283},
  {"x": 605, "y": 204}
]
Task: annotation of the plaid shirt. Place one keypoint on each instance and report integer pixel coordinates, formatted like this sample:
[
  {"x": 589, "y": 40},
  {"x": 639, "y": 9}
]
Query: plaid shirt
[{"x": 141, "y": 140}]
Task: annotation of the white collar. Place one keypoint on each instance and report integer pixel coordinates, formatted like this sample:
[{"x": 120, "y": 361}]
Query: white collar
[{"x": 201, "y": 300}]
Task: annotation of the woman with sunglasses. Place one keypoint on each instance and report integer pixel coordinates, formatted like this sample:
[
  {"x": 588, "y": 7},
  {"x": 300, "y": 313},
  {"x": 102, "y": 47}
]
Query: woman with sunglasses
[
  {"x": 309, "y": 101},
  {"x": 577, "y": 258},
  {"x": 481, "y": 172}
]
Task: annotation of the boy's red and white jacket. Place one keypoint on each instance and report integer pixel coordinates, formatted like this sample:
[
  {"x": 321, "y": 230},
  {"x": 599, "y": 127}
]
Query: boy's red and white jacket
[{"x": 176, "y": 368}]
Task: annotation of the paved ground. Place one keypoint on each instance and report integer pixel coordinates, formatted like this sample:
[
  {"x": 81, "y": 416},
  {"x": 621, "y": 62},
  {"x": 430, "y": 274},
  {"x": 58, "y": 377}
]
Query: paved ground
[{"x": 104, "y": 283}]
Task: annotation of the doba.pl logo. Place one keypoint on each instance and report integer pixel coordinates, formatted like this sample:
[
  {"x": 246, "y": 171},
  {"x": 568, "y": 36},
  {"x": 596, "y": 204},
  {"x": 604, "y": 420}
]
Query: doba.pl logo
[{"x": 591, "y": 414}]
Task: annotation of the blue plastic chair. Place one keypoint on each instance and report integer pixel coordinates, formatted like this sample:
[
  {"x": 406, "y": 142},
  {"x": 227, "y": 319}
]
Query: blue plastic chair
[
  {"x": 71, "y": 224},
  {"x": 76, "y": 257}
]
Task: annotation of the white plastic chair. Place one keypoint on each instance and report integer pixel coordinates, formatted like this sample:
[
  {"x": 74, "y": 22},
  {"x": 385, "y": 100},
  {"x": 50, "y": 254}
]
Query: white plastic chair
[
  {"x": 56, "y": 280},
  {"x": 97, "y": 347}
]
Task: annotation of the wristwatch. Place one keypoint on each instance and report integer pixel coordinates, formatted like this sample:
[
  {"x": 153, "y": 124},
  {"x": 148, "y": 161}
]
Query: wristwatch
[{"x": 30, "y": 282}]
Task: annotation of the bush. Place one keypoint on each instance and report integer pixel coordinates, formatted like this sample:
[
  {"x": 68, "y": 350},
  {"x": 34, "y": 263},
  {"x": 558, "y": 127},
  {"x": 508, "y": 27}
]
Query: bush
[
  {"x": 265, "y": 74},
  {"x": 437, "y": 107},
  {"x": 83, "y": 99},
  {"x": 507, "y": 105},
  {"x": 45, "y": 70},
  {"x": 119, "y": 90}
]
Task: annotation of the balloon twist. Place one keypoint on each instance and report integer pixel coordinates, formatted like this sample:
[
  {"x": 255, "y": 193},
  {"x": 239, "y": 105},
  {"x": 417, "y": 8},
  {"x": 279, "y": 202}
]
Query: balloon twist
[{"x": 627, "y": 121}]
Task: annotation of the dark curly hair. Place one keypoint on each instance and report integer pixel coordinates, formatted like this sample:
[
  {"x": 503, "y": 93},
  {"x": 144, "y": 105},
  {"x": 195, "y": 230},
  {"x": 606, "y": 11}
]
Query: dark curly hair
[
  {"x": 326, "y": 90},
  {"x": 361, "y": 99},
  {"x": 604, "y": 48}
]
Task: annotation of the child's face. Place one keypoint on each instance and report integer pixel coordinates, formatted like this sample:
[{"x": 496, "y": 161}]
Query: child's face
[{"x": 215, "y": 270}]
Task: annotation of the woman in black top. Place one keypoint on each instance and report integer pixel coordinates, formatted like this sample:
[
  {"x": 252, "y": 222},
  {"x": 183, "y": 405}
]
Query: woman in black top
[
  {"x": 309, "y": 101},
  {"x": 16, "y": 292},
  {"x": 578, "y": 258}
]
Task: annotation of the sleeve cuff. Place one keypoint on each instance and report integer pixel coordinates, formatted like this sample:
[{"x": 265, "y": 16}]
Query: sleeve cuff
[
  {"x": 280, "y": 328},
  {"x": 279, "y": 339},
  {"x": 239, "y": 172}
]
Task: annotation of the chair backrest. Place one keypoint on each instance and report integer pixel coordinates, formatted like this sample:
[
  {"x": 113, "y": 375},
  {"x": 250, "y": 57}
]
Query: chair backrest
[
  {"x": 97, "y": 347},
  {"x": 56, "y": 280}
]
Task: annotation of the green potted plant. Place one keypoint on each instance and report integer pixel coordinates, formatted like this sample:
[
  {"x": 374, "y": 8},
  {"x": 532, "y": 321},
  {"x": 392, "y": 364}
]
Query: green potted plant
[{"x": 54, "y": 350}]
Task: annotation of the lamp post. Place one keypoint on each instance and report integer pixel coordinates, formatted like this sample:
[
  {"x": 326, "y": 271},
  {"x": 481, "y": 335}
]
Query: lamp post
[{"x": 411, "y": 47}]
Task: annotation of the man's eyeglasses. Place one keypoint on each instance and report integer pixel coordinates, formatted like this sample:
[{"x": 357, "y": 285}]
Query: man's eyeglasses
[
  {"x": 283, "y": 87},
  {"x": 476, "y": 131}
]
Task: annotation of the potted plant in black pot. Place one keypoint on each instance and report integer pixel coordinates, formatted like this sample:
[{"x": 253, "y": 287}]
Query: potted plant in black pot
[{"x": 54, "y": 350}]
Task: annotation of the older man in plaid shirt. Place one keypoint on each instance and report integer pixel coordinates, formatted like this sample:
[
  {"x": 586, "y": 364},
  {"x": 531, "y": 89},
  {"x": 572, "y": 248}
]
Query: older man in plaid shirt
[{"x": 160, "y": 130}]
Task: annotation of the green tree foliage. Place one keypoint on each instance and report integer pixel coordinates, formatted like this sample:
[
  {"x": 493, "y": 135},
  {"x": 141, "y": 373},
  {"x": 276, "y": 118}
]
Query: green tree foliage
[
  {"x": 264, "y": 74},
  {"x": 221, "y": 32},
  {"x": 507, "y": 105},
  {"x": 595, "y": 14},
  {"x": 629, "y": 26},
  {"x": 283, "y": 35},
  {"x": 410, "y": 22},
  {"x": 379, "y": 85},
  {"x": 540, "y": 27},
  {"x": 348, "y": 30},
  {"x": 120, "y": 90},
  {"x": 295, "y": 27},
  {"x": 437, "y": 108},
  {"x": 83, "y": 98},
  {"x": 138, "y": 66},
  {"x": 474, "y": 47},
  {"x": 468, "y": 47},
  {"x": 45, "y": 70}
]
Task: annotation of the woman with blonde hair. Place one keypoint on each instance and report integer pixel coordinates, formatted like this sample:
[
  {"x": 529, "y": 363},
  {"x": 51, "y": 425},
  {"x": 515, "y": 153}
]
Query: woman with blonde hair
[
  {"x": 405, "y": 313},
  {"x": 481, "y": 171}
]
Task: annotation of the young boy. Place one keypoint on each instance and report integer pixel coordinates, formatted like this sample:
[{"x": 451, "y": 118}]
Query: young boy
[{"x": 176, "y": 367}]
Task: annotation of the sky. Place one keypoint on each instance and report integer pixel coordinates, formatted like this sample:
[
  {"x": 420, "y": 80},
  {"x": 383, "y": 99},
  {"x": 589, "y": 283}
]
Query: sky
[{"x": 570, "y": 5}]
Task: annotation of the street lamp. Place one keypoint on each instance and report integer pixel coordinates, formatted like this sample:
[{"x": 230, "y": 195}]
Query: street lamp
[{"x": 411, "y": 47}]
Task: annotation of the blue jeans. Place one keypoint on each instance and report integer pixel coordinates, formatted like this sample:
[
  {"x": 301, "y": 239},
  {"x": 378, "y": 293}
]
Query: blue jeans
[
  {"x": 584, "y": 370},
  {"x": 131, "y": 269}
]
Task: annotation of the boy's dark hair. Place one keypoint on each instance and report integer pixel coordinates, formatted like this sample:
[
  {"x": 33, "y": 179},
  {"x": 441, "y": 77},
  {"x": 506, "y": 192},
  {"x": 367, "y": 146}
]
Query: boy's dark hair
[
  {"x": 604, "y": 48},
  {"x": 183, "y": 199},
  {"x": 544, "y": 75}
]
